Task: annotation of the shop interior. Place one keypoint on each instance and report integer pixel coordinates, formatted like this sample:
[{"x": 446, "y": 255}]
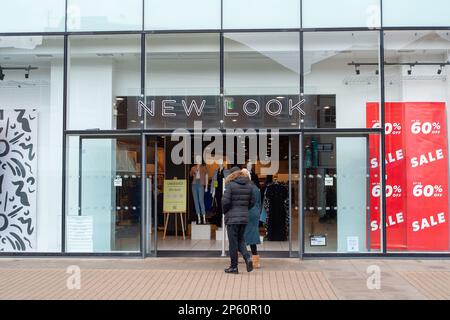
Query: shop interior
[{"x": 208, "y": 234}]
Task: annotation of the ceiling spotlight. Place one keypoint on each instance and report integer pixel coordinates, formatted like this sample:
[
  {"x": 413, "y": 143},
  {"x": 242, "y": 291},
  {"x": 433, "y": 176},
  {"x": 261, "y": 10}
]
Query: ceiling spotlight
[
  {"x": 410, "y": 69},
  {"x": 27, "y": 72},
  {"x": 440, "y": 69},
  {"x": 358, "y": 72},
  {"x": 2, "y": 75},
  {"x": 377, "y": 72}
]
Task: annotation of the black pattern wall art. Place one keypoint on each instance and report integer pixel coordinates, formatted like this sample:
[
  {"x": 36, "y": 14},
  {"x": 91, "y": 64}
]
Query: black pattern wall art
[{"x": 18, "y": 185}]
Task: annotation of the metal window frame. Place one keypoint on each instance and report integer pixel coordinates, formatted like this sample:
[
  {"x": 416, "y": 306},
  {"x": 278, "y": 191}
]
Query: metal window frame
[{"x": 300, "y": 132}]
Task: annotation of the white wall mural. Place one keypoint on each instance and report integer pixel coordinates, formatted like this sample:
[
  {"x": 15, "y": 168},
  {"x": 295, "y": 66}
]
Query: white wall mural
[{"x": 18, "y": 185}]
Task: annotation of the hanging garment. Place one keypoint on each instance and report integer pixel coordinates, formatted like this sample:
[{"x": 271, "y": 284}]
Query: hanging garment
[
  {"x": 217, "y": 186},
  {"x": 276, "y": 205},
  {"x": 208, "y": 201}
]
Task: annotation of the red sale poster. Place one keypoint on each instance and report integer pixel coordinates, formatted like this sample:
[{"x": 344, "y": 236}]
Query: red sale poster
[
  {"x": 427, "y": 158},
  {"x": 416, "y": 177},
  {"x": 373, "y": 236},
  {"x": 395, "y": 178}
]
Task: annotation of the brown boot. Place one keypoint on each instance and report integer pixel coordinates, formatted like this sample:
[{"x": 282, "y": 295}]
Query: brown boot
[{"x": 256, "y": 262}]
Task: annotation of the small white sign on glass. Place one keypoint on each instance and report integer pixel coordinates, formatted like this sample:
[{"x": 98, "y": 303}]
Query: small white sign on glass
[
  {"x": 80, "y": 234},
  {"x": 118, "y": 181},
  {"x": 318, "y": 241},
  {"x": 353, "y": 244},
  {"x": 328, "y": 181}
]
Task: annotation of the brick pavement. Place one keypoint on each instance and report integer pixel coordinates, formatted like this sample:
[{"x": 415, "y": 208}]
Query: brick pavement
[{"x": 194, "y": 278}]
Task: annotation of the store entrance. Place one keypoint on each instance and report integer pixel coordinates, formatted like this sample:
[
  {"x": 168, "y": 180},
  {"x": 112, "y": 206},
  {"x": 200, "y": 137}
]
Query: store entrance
[{"x": 183, "y": 218}]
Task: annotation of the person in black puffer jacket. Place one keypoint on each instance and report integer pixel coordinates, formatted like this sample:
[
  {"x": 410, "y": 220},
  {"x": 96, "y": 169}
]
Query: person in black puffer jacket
[{"x": 237, "y": 199}]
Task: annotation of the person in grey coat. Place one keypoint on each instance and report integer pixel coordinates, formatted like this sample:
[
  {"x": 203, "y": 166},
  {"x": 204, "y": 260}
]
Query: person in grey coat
[{"x": 237, "y": 199}]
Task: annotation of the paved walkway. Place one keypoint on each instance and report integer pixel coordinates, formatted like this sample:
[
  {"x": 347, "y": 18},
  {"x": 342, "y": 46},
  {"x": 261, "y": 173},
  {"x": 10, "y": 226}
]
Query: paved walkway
[{"x": 190, "y": 278}]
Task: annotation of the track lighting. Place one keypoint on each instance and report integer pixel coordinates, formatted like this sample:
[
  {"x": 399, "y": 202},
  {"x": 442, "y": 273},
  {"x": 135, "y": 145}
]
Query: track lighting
[
  {"x": 26, "y": 69},
  {"x": 411, "y": 65}
]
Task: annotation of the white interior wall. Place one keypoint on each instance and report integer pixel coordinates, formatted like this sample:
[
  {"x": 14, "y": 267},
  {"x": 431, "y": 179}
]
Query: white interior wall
[
  {"x": 175, "y": 77},
  {"x": 259, "y": 76},
  {"x": 329, "y": 77},
  {"x": 126, "y": 78},
  {"x": 90, "y": 94}
]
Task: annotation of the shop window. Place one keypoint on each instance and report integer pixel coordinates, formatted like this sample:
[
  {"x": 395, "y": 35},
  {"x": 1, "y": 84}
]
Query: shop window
[
  {"x": 417, "y": 93},
  {"x": 183, "y": 81},
  {"x": 341, "y": 74},
  {"x": 262, "y": 80},
  {"x": 182, "y": 14},
  {"x": 103, "y": 198},
  {"x": 338, "y": 181},
  {"x": 104, "y": 15},
  {"x": 104, "y": 82},
  {"x": 31, "y": 118},
  {"x": 33, "y": 16},
  {"x": 408, "y": 13},
  {"x": 261, "y": 14},
  {"x": 352, "y": 13}
]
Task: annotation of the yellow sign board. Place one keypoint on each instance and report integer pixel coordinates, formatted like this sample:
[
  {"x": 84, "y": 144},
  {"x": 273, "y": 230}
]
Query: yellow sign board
[{"x": 174, "y": 196}]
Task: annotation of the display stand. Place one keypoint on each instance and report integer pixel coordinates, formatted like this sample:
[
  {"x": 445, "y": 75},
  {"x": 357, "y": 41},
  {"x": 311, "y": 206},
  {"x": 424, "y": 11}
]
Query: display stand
[{"x": 166, "y": 222}]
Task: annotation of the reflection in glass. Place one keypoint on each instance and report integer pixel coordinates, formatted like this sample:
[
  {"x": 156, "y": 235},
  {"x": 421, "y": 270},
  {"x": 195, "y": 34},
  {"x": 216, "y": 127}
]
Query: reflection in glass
[
  {"x": 261, "y": 14},
  {"x": 418, "y": 13},
  {"x": 104, "y": 15},
  {"x": 33, "y": 16},
  {"x": 188, "y": 15},
  {"x": 352, "y": 13}
]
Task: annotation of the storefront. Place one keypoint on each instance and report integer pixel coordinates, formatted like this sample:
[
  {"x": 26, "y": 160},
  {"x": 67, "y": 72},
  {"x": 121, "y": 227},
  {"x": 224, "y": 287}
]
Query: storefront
[{"x": 104, "y": 111}]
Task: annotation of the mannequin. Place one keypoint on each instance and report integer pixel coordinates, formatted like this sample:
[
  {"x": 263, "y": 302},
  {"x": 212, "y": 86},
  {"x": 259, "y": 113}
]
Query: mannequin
[
  {"x": 199, "y": 185},
  {"x": 217, "y": 190},
  {"x": 253, "y": 175}
]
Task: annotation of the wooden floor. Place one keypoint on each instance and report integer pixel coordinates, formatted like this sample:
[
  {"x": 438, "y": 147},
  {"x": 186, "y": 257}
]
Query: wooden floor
[{"x": 190, "y": 278}]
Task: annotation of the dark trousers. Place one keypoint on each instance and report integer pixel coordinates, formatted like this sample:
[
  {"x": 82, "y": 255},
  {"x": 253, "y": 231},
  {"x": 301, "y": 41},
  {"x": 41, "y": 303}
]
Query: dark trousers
[{"x": 237, "y": 243}]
